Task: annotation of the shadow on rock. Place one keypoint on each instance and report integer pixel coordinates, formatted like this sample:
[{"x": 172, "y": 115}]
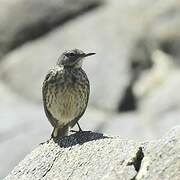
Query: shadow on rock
[{"x": 78, "y": 138}]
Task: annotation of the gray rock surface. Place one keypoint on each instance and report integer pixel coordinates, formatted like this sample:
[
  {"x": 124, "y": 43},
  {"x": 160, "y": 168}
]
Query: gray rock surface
[
  {"x": 89, "y": 155},
  {"x": 156, "y": 91},
  {"x": 23, "y": 20},
  {"x": 162, "y": 158},
  {"x": 81, "y": 156}
]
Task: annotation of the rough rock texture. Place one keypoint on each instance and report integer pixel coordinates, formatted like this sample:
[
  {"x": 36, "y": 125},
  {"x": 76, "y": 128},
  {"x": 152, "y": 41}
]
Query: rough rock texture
[
  {"x": 23, "y": 20},
  {"x": 162, "y": 158},
  {"x": 90, "y": 155},
  {"x": 86, "y": 156}
]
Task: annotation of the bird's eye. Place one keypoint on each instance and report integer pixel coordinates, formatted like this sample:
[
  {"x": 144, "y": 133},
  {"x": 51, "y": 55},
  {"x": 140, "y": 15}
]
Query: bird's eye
[{"x": 71, "y": 54}]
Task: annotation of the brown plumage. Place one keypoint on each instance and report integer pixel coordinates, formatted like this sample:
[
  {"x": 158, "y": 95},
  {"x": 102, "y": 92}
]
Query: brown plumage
[{"x": 66, "y": 92}]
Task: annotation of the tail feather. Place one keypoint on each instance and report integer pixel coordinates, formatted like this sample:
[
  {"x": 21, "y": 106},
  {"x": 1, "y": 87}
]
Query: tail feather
[{"x": 57, "y": 132}]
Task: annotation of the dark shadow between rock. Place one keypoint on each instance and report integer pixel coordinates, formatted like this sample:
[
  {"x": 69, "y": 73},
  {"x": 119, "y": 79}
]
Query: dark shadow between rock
[{"x": 78, "y": 138}]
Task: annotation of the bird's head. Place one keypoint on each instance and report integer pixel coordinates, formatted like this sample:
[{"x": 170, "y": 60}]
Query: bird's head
[{"x": 72, "y": 58}]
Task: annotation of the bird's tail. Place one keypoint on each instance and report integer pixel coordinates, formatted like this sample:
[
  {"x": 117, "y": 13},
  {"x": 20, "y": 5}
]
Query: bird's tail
[{"x": 57, "y": 132}]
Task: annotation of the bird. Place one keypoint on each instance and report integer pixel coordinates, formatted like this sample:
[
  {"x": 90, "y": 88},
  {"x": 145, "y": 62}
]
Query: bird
[{"x": 66, "y": 91}]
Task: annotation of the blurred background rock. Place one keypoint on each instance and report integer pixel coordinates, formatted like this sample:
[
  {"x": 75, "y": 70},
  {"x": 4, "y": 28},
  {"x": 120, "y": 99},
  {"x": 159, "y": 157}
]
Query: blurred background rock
[{"x": 135, "y": 77}]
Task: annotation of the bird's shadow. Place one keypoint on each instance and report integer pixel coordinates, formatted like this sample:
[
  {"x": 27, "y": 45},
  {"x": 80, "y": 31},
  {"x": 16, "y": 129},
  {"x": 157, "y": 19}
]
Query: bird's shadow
[{"x": 78, "y": 138}]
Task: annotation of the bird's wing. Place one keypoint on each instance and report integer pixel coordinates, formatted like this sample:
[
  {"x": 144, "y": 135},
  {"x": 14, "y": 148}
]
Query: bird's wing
[{"x": 48, "y": 79}]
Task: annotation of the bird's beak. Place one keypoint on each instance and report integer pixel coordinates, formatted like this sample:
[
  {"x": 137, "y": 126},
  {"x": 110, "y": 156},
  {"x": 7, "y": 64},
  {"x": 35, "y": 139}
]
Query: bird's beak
[{"x": 89, "y": 54}]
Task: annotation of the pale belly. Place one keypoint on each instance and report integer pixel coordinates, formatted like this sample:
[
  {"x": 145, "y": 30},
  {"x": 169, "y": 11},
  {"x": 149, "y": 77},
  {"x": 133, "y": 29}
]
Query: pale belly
[{"x": 67, "y": 104}]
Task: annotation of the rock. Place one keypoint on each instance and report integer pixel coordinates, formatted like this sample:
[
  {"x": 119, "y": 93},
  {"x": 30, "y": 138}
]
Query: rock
[
  {"x": 165, "y": 27},
  {"x": 140, "y": 125},
  {"x": 161, "y": 158},
  {"x": 154, "y": 77},
  {"x": 86, "y": 155},
  {"x": 131, "y": 126},
  {"x": 156, "y": 91},
  {"x": 23, "y": 20},
  {"x": 158, "y": 51},
  {"x": 89, "y": 155},
  {"x": 162, "y": 23},
  {"x": 157, "y": 82}
]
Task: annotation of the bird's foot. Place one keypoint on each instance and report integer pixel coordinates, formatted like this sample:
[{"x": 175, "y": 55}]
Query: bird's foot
[{"x": 77, "y": 131}]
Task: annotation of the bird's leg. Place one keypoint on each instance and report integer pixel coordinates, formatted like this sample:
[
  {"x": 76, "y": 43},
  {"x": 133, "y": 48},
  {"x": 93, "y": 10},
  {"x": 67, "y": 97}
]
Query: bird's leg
[{"x": 80, "y": 130}]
